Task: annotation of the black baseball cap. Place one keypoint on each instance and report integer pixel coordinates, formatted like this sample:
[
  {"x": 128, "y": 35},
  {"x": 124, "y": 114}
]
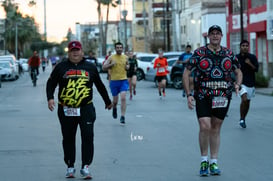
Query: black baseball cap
[{"x": 215, "y": 27}]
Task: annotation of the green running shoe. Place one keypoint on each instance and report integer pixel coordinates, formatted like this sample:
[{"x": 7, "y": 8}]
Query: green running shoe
[
  {"x": 214, "y": 170},
  {"x": 204, "y": 169}
]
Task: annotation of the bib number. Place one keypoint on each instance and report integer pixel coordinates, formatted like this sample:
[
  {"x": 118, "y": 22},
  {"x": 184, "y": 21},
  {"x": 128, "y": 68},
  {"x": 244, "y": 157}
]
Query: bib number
[
  {"x": 69, "y": 111},
  {"x": 161, "y": 70},
  {"x": 219, "y": 102}
]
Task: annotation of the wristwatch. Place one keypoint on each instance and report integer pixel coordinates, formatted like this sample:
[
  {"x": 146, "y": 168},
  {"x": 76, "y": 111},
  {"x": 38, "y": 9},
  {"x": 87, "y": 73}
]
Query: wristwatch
[{"x": 188, "y": 95}]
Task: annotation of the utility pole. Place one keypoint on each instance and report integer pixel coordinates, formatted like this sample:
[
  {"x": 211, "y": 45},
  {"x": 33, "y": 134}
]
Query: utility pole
[
  {"x": 241, "y": 19},
  {"x": 164, "y": 25},
  {"x": 124, "y": 13},
  {"x": 145, "y": 26},
  {"x": 45, "y": 33},
  {"x": 168, "y": 27},
  {"x": 174, "y": 36},
  {"x": 179, "y": 11},
  {"x": 16, "y": 41}
]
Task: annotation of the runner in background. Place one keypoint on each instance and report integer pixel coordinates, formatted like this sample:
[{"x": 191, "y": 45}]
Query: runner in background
[{"x": 161, "y": 66}]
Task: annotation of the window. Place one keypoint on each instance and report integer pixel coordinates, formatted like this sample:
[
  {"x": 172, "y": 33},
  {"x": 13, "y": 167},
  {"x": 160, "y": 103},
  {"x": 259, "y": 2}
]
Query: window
[
  {"x": 236, "y": 6},
  {"x": 235, "y": 39},
  {"x": 256, "y": 3}
]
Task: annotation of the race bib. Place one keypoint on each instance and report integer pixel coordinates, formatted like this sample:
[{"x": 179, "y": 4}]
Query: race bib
[
  {"x": 219, "y": 102},
  {"x": 161, "y": 70},
  {"x": 69, "y": 111}
]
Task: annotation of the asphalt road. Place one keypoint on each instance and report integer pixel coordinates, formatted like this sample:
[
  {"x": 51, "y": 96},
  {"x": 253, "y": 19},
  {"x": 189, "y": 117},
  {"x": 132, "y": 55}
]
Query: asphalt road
[{"x": 159, "y": 141}]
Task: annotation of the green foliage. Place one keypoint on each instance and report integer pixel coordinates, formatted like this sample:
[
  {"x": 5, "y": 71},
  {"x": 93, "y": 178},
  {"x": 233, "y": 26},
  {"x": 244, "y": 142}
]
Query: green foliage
[
  {"x": 27, "y": 29},
  {"x": 261, "y": 80}
]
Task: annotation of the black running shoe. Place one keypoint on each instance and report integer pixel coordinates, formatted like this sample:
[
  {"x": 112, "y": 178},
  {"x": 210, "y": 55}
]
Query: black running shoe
[
  {"x": 122, "y": 120},
  {"x": 115, "y": 114},
  {"x": 243, "y": 123}
]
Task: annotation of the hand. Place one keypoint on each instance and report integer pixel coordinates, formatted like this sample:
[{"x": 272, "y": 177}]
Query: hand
[
  {"x": 127, "y": 67},
  {"x": 247, "y": 61},
  {"x": 237, "y": 89},
  {"x": 51, "y": 104},
  {"x": 190, "y": 102},
  {"x": 109, "y": 106},
  {"x": 113, "y": 64}
]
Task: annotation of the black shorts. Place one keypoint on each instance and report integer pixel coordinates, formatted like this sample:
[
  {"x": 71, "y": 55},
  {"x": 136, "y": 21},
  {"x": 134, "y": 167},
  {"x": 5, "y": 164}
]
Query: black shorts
[
  {"x": 204, "y": 109},
  {"x": 130, "y": 74},
  {"x": 160, "y": 78}
]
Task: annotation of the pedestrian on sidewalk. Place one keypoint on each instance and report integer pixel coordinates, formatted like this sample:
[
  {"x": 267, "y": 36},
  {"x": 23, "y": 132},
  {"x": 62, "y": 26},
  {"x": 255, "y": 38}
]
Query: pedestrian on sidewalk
[
  {"x": 249, "y": 66},
  {"x": 161, "y": 65},
  {"x": 131, "y": 74},
  {"x": 212, "y": 65},
  {"x": 118, "y": 66},
  {"x": 75, "y": 78}
]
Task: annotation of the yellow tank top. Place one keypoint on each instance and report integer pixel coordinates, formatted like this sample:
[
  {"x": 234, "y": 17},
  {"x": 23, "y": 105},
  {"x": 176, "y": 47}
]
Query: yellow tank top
[{"x": 118, "y": 71}]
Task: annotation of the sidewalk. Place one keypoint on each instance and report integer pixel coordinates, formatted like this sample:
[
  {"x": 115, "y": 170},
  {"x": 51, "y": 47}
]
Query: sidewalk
[{"x": 265, "y": 91}]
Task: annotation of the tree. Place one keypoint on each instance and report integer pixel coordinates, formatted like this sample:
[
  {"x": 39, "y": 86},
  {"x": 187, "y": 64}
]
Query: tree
[
  {"x": 103, "y": 31},
  {"x": 26, "y": 26}
]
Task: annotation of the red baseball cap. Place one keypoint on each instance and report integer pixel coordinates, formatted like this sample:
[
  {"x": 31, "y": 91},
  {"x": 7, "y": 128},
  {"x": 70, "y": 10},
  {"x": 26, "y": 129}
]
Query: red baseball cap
[{"x": 74, "y": 45}]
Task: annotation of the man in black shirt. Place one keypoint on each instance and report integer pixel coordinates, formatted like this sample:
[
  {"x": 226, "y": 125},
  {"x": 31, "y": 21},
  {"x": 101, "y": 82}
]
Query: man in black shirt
[
  {"x": 75, "y": 78},
  {"x": 249, "y": 65}
]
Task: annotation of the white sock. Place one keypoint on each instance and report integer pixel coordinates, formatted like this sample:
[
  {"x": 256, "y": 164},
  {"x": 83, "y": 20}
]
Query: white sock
[
  {"x": 204, "y": 158},
  {"x": 213, "y": 160}
]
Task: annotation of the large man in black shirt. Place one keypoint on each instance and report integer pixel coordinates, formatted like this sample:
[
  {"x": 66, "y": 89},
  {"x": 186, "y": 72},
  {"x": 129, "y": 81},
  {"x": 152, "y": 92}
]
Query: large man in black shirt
[
  {"x": 75, "y": 78},
  {"x": 249, "y": 65}
]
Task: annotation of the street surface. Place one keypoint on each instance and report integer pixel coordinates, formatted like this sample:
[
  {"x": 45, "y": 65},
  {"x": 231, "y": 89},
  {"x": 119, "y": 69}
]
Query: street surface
[{"x": 158, "y": 143}]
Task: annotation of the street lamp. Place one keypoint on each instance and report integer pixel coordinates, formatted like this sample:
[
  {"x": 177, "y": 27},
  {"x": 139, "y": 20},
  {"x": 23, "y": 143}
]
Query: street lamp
[{"x": 124, "y": 13}]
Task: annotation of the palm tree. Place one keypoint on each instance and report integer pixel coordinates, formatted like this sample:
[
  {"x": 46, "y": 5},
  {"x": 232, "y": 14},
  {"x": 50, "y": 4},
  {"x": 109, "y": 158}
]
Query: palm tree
[
  {"x": 27, "y": 29},
  {"x": 103, "y": 32}
]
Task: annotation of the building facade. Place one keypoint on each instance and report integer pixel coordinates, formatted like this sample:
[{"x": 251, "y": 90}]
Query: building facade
[
  {"x": 196, "y": 18},
  {"x": 140, "y": 26},
  {"x": 258, "y": 29},
  {"x": 89, "y": 35},
  {"x": 173, "y": 24}
]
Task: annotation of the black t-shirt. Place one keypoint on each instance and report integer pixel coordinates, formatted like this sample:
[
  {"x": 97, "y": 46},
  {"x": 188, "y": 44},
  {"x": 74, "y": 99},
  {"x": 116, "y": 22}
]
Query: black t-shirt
[{"x": 247, "y": 70}]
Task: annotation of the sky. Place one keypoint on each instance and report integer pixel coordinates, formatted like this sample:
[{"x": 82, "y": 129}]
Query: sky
[{"x": 63, "y": 14}]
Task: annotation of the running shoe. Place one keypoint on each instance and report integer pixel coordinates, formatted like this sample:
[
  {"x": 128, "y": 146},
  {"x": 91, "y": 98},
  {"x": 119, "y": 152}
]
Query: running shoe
[
  {"x": 214, "y": 170},
  {"x": 115, "y": 114},
  {"x": 85, "y": 173},
  {"x": 243, "y": 123},
  {"x": 183, "y": 93},
  {"x": 122, "y": 120},
  {"x": 70, "y": 172},
  {"x": 204, "y": 168},
  {"x": 131, "y": 97}
]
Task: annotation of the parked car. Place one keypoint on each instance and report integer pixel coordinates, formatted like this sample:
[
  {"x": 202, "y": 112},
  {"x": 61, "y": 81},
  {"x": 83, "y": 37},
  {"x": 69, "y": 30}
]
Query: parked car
[
  {"x": 13, "y": 62},
  {"x": 143, "y": 60},
  {"x": 7, "y": 71},
  {"x": 100, "y": 63},
  {"x": 176, "y": 75},
  {"x": 151, "y": 72}
]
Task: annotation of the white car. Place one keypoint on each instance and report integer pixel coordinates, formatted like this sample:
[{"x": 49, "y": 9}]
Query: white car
[
  {"x": 143, "y": 60},
  {"x": 13, "y": 62},
  {"x": 7, "y": 71}
]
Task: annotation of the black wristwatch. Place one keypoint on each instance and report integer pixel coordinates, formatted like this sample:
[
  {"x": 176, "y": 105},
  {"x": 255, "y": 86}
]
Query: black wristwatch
[{"x": 188, "y": 95}]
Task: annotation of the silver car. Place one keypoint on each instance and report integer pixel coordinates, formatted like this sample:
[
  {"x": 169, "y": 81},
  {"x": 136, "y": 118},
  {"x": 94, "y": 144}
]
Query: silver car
[
  {"x": 7, "y": 71},
  {"x": 13, "y": 62}
]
